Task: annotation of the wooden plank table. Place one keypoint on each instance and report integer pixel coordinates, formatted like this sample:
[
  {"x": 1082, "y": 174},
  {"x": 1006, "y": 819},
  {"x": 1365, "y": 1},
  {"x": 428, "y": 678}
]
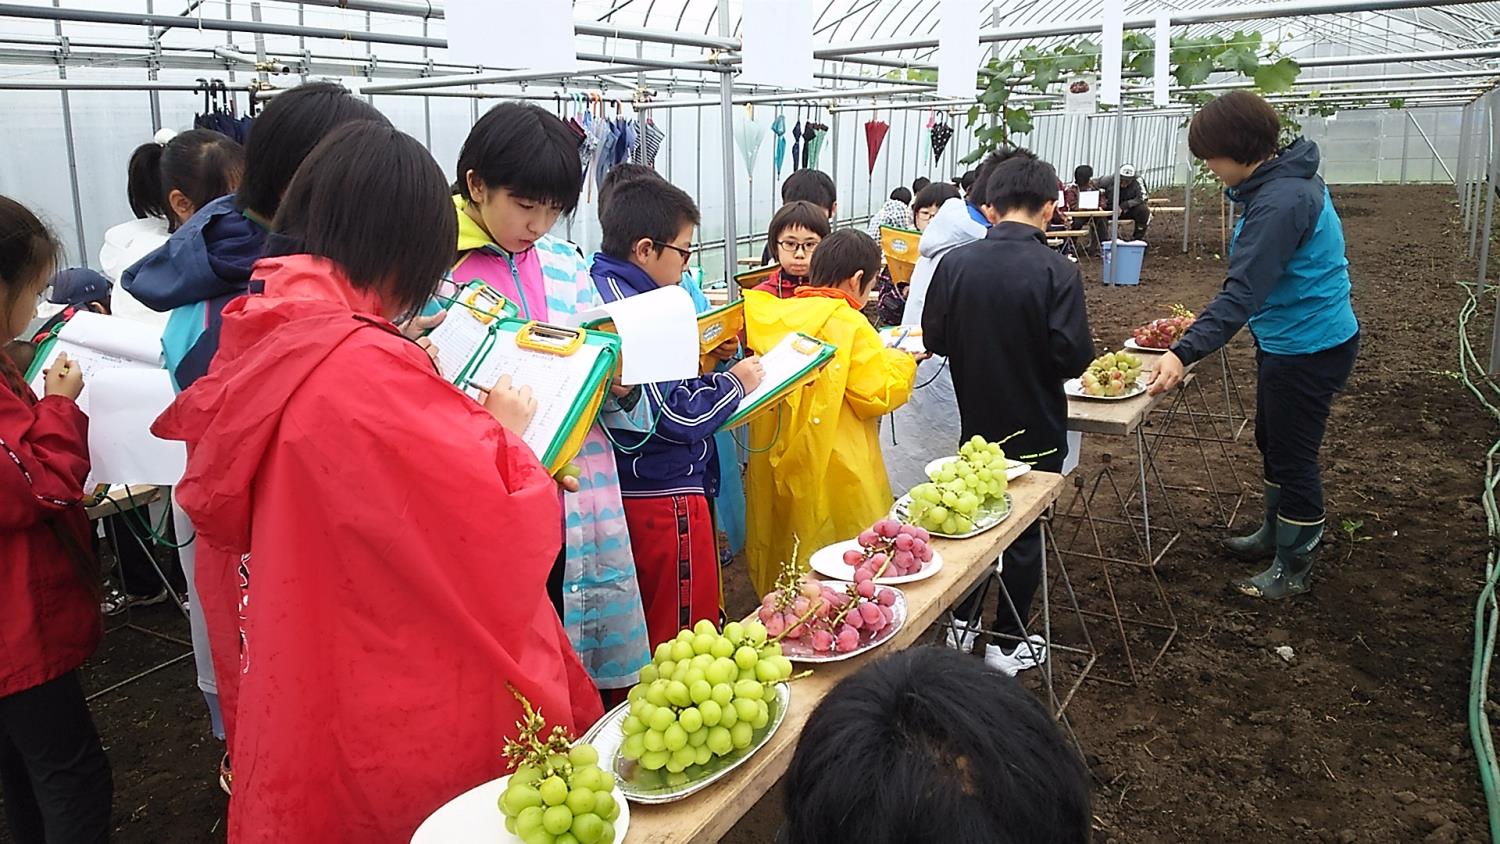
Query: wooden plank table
[
  {"x": 1117, "y": 418},
  {"x": 123, "y": 499},
  {"x": 709, "y": 814}
]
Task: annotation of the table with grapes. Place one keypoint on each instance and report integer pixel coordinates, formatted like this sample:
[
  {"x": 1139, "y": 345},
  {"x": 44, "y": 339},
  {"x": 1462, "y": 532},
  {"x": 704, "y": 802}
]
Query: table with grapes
[{"x": 709, "y": 814}]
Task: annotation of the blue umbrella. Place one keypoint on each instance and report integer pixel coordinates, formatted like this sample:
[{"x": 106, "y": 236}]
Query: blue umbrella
[{"x": 779, "y": 127}]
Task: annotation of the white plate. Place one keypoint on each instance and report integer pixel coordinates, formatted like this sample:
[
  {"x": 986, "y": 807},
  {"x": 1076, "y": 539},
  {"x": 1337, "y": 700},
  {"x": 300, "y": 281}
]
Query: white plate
[
  {"x": 1134, "y": 346},
  {"x": 1074, "y": 388},
  {"x": 607, "y": 738},
  {"x": 1013, "y": 468},
  {"x": 829, "y": 562},
  {"x": 911, "y": 342},
  {"x": 797, "y": 650},
  {"x": 987, "y": 518},
  {"x": 474, "y": 818}
]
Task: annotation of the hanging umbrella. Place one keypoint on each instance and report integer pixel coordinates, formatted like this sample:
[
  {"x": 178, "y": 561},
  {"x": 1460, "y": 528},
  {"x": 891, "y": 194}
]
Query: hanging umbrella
[
  {"x": 875, "y": 131},
  {"x": 941, "y": 134},
  {"x": 924, "y": 139},
  {"x": 815, "y": 142},
  {"x": 778, "y": 126},
  {"x": 797, "y": 145},
  {"x": 748, "y": 135}
]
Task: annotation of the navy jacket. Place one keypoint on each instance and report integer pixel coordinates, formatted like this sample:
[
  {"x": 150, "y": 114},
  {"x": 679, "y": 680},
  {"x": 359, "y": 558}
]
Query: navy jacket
[{"x": 1288, "y": 277}]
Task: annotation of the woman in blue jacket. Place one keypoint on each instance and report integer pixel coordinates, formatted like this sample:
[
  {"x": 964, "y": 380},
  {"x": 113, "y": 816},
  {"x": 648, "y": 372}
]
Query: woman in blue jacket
[{"x": 1289, "y": 280}]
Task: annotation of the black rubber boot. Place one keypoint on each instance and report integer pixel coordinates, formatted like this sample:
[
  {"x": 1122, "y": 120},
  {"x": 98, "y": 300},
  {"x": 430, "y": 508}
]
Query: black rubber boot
[
  {"x": 1261, "y": 544},
  {"x": 1291, "y": 572}
]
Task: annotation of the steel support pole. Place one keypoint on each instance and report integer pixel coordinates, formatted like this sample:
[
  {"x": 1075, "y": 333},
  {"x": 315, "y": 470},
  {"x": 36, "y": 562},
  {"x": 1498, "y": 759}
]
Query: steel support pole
[
  {"x": 1405, "y": 146},
  {"x": 1489, "y": 218},
  {"x": 1114, "y": 205},
  {"x": 1423, "y": 133},
  {"x": 726, "y": 124}
]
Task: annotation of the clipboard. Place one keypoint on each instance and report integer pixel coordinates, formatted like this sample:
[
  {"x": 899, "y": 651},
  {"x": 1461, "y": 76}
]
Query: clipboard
[
  {"x": 750, "y": 278},
  {"x": 714, "y": 327},
  {"x": 471, "y": 310},
  {"x": 790, "y": 366},
  {"x": 567, "y": 369},
  {"x": 899, "y": 247}
]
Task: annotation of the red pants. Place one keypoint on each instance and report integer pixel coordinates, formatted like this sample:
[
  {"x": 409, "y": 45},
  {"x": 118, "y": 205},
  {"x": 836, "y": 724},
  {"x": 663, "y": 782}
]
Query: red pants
[{"x": 676, "y": 562}]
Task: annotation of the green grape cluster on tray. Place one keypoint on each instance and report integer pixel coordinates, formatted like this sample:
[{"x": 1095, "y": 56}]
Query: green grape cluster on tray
[
  {"x": 960, "y": 488},
  {"x": 1111, "y": 374},
  {"x": 703, "y": 696},
  {"x": 558, "y": 793}
]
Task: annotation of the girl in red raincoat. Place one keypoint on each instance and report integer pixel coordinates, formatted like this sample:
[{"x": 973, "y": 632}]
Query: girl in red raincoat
[
  {"x": 389, "y": 536},
  {"x": 53, "y": 771}
]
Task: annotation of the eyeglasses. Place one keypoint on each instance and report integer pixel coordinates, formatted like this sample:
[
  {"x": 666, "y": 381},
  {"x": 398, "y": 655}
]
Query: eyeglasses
[
  {"x": 687, "y": 254},
  {"x": 794, "y": 247},
  {"x": 926, "y": 213}
]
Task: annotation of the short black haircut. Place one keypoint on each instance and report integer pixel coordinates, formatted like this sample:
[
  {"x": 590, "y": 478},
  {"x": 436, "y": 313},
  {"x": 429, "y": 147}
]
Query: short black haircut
[
  {"x": 619, "y": 175},
  {"x": 934, "y": 194},
  {"x": 901, "y": 195},
  {"x": 1083, "y": 174},
  {"x": 371, "y": 199},
  {"x": 813, "y": 186},
  {"x": 203, "y": 165},
  {"x": 966, "y": 181},
  {"x": 644, "y": 208},
  {"x": 286, "y": 131},
  {"x": 841, "y": 255},
  {"x": 978, "y": 195},
  {"x": 1239, "y": 126},
  {"x": 929, "y": 745},
  {"x": 1024, "y": 184},
  {"x": 918, "y": 183},
  {"x": 797, "y": 214},
  {"x": 526, "y": 150}
]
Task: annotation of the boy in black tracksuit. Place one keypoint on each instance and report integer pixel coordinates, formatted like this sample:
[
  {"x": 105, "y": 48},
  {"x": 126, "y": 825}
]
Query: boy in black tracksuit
[{"x": 1008, "y": 313}]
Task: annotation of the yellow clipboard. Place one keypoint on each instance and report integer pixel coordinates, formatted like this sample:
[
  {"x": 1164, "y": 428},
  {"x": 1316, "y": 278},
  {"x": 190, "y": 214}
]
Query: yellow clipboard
[
  {"x": 750, "y": 278},
  {"x": 899, "y": 246}
]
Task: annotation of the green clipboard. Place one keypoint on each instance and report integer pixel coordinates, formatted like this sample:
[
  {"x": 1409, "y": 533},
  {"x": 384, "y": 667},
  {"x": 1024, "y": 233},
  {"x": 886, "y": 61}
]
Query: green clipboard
[
  {"x": 568, "y": 398},
  {"x": 483, "y": 300},
  {"x": 816, "y": 353}
]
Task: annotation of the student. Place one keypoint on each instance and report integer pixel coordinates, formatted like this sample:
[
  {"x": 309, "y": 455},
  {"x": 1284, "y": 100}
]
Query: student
[
  {"x": 669, "y": 467},
  {"x": 1008, "y": 313},
  {"x": 1289, "y": 280},
  {"x": 392, "y": 536},
  {"x": 53, "y": 771},
  {"x": 795, "y": 232},
  {"x": 918, "y": 184},
  {"x": 927, "y": 202},
  {"x": 805, "y": 185},
  {"x": 950, "y": 752},
  {"x": 1133, "y": 206},
  {"x": 1083, "y": 180},
  {"x": 896, "y": 213},
  {"x": 518, "y": 172},
  {"x": 75, "y": 289},
  {"x": 816, "y": 474}
]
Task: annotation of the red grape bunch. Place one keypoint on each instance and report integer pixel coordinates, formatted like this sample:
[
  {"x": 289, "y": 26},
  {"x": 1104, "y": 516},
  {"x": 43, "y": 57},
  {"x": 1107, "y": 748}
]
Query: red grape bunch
[
  {"x": 807, "y": 613},
  {"x": 889, "y": 548},
  {"x": 1162, "y": 333}
]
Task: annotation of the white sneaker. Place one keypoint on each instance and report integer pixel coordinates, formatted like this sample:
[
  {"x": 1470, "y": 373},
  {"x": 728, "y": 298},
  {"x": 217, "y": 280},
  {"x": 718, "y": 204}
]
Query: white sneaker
[
  {"x": 1024, "y": 657},
  {"x": 963, "y": 634}
]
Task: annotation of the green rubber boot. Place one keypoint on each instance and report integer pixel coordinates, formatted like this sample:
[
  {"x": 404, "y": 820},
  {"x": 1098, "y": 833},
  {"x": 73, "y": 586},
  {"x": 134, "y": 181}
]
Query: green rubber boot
[
  {"x": 1261, "y": 544},
  {"x": 1291, "y": 572}
]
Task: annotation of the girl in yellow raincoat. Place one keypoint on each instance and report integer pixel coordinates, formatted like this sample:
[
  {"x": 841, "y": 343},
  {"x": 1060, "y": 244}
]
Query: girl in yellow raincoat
[{"x": 816, "y": 474}]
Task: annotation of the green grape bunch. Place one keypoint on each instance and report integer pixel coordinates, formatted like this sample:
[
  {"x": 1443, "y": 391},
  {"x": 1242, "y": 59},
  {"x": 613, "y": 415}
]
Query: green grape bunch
[
  {"x": 960, "y": 488},
  {"x": 558, "y": 793}
]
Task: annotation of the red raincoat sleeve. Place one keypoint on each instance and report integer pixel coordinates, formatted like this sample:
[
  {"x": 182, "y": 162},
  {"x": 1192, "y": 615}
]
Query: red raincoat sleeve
[
  {"x": 396, "y": 584},
  {"x": 46, "y": 452}
]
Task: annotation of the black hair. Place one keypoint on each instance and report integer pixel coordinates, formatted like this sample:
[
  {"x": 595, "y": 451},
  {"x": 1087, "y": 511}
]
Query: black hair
[
  {"x": 901, "y": 195},
  {"x": 842, "y": 254},
  {"x": 1082, "y": 175},
  {"x": 22, "y": 353},
  {"x": 371, "y": 199},
  {"x": 918, "y": 183},
  {"x": 526, "y": 150},
  {"x": 1239, "y": 126},
  {"x": 966, "y": 181},
  {"x": 797, "y": 214},
  {"x": 618, "y": 175},
  {"x": 285, "y": 133},
  {"x": 978, "y": 195},
  {"x": 934, "y": 194},
  {"x": 654, "y": 209},
  {"x": 929, "y": 745},
  {"x": 1021, "y": 183},
  {"x": 813, "y": 186},
  {"x": 202, "y": 164}
]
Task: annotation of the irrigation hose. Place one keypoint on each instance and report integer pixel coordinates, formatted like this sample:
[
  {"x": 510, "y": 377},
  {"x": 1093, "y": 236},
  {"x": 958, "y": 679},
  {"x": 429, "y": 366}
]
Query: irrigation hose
[{"x": 1486, "y": 610}]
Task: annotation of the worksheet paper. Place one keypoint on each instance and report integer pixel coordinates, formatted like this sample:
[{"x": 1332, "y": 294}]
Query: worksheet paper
[
  {"x": 1088, "y": 200},
  {"x": 782, "y": 365},
  {"x": 96, "y": 342},
  {"x": 458, "y": 338},
  {"x": 512, "y": 34},
  {"x": 556, "y": 382},
  {"x": 658, "y": 335},
  {"x": 122, "y": 448},
  {"x": 958, "y": 47},
  {"x": 777, "y": 39}
]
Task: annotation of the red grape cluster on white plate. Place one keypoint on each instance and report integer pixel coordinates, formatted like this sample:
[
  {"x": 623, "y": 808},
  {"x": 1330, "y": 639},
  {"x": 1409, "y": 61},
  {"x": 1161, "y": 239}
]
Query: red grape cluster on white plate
[
  {"x": 889, "y": 549},
  {"x": 813, "y": 617}
]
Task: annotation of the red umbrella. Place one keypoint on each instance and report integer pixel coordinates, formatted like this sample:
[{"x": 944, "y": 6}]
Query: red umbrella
[{"x": 875, "y": 136}]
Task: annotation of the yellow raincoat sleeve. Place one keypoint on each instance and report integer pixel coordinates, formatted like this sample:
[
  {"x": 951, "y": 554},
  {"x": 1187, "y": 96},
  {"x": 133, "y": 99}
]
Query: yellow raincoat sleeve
[{"x": 880, "y": 379}]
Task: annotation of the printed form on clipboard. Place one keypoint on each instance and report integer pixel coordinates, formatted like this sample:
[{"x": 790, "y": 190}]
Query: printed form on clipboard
[
  {"x": 471, "y": 312},
  {"x": 790, "y": 365}
]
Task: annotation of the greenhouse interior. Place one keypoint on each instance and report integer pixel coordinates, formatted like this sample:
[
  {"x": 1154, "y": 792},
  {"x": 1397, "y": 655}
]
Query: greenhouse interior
[{"x": 1213, "y": 328}]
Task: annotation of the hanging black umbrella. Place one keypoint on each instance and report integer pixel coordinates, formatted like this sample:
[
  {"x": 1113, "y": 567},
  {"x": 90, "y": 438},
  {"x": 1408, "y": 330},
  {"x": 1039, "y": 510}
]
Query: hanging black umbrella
[{"x": 941, "y": 134}]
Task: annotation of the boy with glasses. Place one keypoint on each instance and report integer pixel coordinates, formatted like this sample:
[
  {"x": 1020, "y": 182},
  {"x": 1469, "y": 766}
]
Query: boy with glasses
[{"x": 794, "y": 233}]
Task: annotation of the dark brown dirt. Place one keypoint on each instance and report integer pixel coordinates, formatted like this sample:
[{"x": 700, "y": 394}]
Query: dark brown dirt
[{"x": 1361, "y": 737}]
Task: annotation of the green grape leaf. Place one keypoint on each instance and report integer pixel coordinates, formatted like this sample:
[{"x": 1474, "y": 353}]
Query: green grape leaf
[
  {"x": 1018, "y": 121},
  {"x": 973, "y": 156},
  {"x": 973, "y": 114},
  {"x": 1194, "y": 71},
  {"x": 1277, "y": 77},
  {"x": 1241, "y": 59}
]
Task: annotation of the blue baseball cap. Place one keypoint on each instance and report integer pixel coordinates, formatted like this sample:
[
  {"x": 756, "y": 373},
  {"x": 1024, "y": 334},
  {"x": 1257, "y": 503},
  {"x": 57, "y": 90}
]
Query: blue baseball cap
[{"x": 78, "y": 286}]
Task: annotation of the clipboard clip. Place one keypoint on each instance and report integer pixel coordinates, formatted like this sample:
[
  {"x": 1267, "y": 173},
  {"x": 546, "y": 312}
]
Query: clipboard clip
[
  {"x": 804, "y": 345},
  {"x": 550, "y": 339}
]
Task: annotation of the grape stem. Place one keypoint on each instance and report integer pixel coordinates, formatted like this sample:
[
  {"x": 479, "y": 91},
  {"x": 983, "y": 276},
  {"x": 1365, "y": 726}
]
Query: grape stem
[{"x": 812, "y": 610}]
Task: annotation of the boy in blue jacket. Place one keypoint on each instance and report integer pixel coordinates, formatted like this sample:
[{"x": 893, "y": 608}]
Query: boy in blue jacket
[
  {"x": 1288, "y": 278},
  {"x": 664, "y": 432}
]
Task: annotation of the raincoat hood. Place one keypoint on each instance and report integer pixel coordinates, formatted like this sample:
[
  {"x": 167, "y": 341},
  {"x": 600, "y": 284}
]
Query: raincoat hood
[
  {"x": 1299, "y": 160},
  {"x": 951, "y": 226},
  {"x": 471, "y": 235},
  {"x": 310, "y": 310},
  {"x": 210, "y": 256}
]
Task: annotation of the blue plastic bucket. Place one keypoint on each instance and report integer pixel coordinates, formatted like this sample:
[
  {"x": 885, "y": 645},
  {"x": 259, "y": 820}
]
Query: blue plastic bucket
[{"x": 1132, "y": 256}]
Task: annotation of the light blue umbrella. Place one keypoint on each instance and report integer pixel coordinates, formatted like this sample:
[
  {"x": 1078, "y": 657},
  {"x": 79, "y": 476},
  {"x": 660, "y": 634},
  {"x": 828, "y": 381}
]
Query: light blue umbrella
[{"x": 779, "y": 127}]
